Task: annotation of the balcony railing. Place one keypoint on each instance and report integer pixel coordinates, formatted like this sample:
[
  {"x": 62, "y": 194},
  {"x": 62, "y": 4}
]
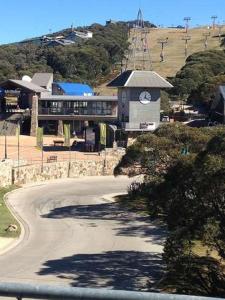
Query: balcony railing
[
  {"x": 25, "y": 291},
  {"x": 76, "y": 112}
]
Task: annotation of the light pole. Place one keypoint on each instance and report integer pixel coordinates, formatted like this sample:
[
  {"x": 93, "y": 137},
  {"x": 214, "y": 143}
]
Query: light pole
[{"x": 5, "y": 127}]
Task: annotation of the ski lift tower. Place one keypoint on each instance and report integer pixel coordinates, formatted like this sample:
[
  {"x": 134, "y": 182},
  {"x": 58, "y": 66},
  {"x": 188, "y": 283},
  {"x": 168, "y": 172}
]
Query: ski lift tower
[{"x": 138, "y": 57}]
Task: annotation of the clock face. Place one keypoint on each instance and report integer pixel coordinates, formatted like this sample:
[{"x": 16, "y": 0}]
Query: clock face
[{"x": 145, "y": 97}]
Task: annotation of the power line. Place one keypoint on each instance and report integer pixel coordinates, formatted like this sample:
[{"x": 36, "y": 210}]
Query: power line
[{"x": 139, "y": 53}]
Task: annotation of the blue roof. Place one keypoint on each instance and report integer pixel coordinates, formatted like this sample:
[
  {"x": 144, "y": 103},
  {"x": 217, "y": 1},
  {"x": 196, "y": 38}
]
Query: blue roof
[{"x": 76, "y": 89}]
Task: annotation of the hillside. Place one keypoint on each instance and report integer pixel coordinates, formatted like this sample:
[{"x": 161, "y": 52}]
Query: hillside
[
  {"x": 87, "y": 61},
  {"x": 174, "y": 50}
]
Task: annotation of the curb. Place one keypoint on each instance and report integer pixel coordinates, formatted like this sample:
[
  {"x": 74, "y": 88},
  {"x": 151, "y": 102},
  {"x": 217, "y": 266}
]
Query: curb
[
  {"x": 23, "y": 226},
  {"x": 110, "y": 198}
]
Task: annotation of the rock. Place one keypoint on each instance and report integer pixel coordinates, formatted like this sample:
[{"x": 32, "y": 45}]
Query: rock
[{"x": 12, "y": 228}]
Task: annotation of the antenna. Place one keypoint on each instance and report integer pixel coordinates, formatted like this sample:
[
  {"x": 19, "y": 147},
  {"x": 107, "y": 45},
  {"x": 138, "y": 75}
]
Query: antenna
[
  {"x": 206, "y": 35},
  {"x": 163, "y": 43},
  {"x": 187, "y": 20},
  {"x": 139, "y": 54},
  {"x": 214, "y": 21},
  {"x": 186, "y": 39},
  {"x": 140, "y": 20}
]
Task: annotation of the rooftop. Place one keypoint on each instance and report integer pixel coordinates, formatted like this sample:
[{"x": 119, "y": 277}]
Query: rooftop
[
  {"x": 75, "y": 89},
  {"x": 78, "y": 98},
  {"x": 13, "y": 83},
  {"x": 145, "y": 79},
  {"x": 42, "y": 79}
]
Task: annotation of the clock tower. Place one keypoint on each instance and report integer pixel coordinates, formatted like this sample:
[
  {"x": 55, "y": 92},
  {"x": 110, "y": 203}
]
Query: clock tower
[{"x": 139, "y": 99}]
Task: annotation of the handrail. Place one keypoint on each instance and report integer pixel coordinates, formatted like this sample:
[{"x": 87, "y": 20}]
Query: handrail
[{"x": 28, "y": 291}]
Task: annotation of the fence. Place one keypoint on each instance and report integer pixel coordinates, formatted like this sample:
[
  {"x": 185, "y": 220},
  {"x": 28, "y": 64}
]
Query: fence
[{"x": 25, "y": 291}]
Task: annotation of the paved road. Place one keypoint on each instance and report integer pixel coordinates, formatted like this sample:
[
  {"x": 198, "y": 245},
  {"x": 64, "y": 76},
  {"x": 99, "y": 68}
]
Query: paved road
[{"x": 77, "y": 238}]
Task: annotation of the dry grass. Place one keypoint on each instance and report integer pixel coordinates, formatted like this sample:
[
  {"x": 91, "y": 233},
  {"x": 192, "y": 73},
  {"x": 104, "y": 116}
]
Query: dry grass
[
  {"x": 202, "y": 251},
  {"x": 174, "y": 50}
]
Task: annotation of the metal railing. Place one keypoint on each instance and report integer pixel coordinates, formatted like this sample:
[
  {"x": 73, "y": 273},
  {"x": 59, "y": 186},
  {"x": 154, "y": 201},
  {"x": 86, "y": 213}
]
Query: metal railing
[
  {"x": 25, "y": 291},
  {"x": 76, "y": 112}
]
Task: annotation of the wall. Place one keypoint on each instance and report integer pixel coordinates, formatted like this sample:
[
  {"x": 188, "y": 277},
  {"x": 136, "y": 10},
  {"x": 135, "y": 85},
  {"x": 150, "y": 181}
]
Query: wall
[
  {"x": 6, "y": 173},
  {"x": 134, "y": 110},
  {"x": 79, "y": 168}
]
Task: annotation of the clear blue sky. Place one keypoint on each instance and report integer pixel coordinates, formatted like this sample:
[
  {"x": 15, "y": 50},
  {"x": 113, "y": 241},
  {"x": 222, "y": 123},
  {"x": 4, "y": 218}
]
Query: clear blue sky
[{"x": 22, "y": 19}]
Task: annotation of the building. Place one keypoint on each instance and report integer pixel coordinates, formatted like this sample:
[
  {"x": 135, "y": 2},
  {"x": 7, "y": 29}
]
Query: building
[
  {"x": 53, "y": 103},
  {"x": 139, "y": 99},
  {"x": 54, "y": 110}
]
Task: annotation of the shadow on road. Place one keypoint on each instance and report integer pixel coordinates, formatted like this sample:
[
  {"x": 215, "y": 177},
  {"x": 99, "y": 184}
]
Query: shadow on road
[
  {"x": 131, "y": 224},
  {"x": 127, "y": 270}
]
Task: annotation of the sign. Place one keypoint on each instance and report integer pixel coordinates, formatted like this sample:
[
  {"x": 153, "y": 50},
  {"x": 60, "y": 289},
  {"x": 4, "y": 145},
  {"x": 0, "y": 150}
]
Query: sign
[
  {"x": 67, "y": 135},
  {"x": 18, "y": 130},
  {"x": 39, "y": 137},
  {"x": 102, "y": 134}
]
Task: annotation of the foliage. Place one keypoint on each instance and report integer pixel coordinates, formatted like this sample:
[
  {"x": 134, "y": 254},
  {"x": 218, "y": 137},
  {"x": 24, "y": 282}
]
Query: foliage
[
  {"x": 202, "y": 72},
  {"x": 187, "y": 190},
  {"x": 165, "y": 102},
  {"x": 87, "y": 61}
]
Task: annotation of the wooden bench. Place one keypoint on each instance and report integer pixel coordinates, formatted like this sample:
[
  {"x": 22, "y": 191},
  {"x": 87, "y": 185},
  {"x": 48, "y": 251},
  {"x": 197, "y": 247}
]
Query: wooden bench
[
  {"x": 51, "y": 159},
  {"x": 58, "y": 143}
]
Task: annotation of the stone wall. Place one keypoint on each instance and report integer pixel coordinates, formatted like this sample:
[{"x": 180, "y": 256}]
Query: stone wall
[
  {"x": 11, "y": 174},
  {"x": 6, "y": 173}
]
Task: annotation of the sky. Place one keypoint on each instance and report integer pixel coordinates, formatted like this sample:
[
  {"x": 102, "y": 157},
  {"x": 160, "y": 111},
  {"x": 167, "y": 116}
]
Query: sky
[{"x": 21, "y": 19}]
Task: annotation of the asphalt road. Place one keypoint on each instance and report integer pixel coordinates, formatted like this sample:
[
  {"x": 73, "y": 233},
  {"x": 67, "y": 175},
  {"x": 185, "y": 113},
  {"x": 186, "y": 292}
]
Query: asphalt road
[{"x": 75, "y": 237}]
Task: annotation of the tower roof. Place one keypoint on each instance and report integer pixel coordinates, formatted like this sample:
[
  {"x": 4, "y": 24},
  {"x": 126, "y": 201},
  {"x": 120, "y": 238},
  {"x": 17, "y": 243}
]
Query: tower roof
[{"x": 145, "y": 79}]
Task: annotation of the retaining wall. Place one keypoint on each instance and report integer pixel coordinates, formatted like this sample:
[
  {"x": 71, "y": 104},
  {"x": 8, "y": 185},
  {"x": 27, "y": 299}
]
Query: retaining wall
[
  {"x": 79, "y": 168},
  {"x": 6, "y": 173}
]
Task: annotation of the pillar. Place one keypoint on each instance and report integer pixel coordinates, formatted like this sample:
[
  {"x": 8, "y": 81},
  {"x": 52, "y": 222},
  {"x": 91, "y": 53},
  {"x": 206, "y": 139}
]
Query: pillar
[
  {"x": 34, "y": 116},
  {"x": 60, "y": 128}
]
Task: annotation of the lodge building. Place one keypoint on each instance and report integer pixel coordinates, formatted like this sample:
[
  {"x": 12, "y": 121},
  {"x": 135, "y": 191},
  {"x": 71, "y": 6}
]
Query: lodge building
[{"x": 135, "y": 108}]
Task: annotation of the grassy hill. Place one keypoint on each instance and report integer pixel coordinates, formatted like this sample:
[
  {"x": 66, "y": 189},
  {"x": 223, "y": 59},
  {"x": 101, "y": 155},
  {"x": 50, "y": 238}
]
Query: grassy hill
[{"x": 174, "y": 50}]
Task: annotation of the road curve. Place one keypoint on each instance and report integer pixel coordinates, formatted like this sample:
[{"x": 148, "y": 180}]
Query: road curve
[{"x": 77, "y": 238}]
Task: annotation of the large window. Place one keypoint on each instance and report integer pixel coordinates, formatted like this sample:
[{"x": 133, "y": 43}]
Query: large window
[{"x": 98, "y": 108}]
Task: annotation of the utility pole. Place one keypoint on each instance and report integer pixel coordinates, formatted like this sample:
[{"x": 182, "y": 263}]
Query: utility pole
[
  {"x": 186, "y": 39},
  {"x": 214, "y": 21},
  {"x": 163, "y": 43},
  {"x": 139, "y": 57},
  {"x": 206, "y": 35},
  {"x": 187, "y": 20},
  {"x": 220, "y": 32},
  {"x": 5, "y": 127}
]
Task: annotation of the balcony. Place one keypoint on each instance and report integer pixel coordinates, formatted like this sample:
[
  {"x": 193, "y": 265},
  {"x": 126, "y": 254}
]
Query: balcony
[{"x": 76, "y": 112}]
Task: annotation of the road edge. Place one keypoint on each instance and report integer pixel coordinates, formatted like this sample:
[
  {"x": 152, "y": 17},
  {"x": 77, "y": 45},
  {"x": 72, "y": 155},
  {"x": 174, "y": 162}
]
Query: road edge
[{"x": 24, "y": 228}]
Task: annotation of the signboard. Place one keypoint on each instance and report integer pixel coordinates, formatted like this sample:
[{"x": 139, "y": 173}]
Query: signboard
[
  {"x": 40, "y": 137},
  {"x": 67, "y": 135},
  {"x": 102, "y": 134}
]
